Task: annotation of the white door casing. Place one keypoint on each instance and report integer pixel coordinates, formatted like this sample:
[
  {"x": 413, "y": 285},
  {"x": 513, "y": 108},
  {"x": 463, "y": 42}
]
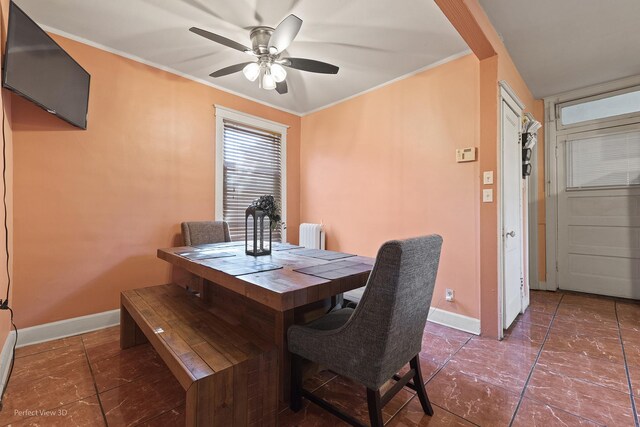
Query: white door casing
[{"x": 511, "y": 218}]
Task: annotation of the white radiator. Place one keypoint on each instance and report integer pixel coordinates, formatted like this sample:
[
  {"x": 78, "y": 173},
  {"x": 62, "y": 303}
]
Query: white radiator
[{"x": 312, "y": 236}]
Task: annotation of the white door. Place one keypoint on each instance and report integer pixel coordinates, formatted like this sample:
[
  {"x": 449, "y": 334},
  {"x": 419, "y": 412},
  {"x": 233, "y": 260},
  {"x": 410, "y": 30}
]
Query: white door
[
  {"x": 599, "y": 211},
  {"x": 512, "y": 248}
]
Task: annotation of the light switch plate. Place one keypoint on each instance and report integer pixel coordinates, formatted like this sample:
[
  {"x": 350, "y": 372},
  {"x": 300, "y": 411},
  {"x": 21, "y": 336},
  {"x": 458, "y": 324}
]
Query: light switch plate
[
  {"x": 487, "y": 195},
  {"x": 487, "y": 177}
]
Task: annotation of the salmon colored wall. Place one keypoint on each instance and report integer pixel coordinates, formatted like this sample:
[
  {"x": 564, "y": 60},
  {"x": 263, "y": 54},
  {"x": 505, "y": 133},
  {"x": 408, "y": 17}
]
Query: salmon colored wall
[
  {"x": 5, "y": 104},
  {"x": 92, "y": 207},
  {"x": 506, "y": 68},
  {"x": 507, "y": 71},
  {"x": 382, "y": 166},
  {"x": 489, "y": 211},
  {"x": 468, "y": 17}
]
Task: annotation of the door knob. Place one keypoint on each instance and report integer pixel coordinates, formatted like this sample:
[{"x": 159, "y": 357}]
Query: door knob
[{"x": 511, "y": 233}]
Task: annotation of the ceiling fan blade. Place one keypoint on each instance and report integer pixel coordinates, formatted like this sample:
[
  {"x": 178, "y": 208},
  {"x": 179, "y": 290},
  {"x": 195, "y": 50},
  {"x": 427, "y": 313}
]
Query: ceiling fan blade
[
  {"x": 309, "y": 65},
  {"x": 229, "y": 70},
  {"x": 282, "y": 88},
  {"x": 219, "y": 39},
  {"x": 284, "y": 34}
]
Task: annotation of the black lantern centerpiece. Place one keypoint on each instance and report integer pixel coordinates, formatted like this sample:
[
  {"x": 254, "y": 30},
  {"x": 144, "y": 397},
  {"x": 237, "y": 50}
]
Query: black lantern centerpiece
[{"x": 260, "y": 219}]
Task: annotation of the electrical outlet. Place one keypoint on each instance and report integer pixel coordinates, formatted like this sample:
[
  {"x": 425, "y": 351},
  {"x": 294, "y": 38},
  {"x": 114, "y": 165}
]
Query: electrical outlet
[{"x": 449, "y": 294}]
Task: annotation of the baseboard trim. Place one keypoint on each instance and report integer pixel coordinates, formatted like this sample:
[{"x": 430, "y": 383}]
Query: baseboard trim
[
  {"x": 454, "y": 320},
  {"x": 5, "y": 359},
  {"x": 68, "y": 327},
  {"x": 92, "y": 322}
]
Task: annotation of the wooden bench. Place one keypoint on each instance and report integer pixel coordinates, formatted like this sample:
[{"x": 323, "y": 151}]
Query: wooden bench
[{"x": 229, "y": 374}]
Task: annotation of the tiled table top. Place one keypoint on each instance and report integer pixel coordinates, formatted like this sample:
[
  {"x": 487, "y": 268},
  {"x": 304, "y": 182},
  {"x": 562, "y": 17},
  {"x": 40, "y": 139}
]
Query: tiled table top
[{"x": 271, "y": 280}]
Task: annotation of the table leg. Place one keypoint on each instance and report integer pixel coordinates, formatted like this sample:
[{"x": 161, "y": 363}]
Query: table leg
[
  {"x": 205, "y": 291},
  {"x": 270, "y": 324},
  {"x": 284, "y": 319}
]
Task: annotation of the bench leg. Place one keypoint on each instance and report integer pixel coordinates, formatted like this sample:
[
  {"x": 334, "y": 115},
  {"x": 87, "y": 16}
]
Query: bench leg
[
  {"x": 130, "y": 334},
  {"x": 210, "y": 402},
  {"x": 192, "y": 403}
]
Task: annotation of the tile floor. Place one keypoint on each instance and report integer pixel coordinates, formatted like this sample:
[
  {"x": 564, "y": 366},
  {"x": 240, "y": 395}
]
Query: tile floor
[{"x": 570, "y": 360}]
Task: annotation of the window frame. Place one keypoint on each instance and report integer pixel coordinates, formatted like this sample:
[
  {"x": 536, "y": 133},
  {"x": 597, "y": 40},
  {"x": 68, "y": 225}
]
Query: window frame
[
  {"x": 223, "y": 113},
  {"x": 587, "y": 123}
]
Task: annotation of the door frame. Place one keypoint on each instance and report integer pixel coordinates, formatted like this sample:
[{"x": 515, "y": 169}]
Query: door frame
[
  {"x": 531, "y": 210},
  {"x": 506, "y": 94},
  {"x": 553, "y": 130}
]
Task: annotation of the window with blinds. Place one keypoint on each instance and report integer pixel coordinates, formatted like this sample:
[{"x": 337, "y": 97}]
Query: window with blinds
[
  {"x": 252, "y": 168},
  {"x": 604, "y": 161}
]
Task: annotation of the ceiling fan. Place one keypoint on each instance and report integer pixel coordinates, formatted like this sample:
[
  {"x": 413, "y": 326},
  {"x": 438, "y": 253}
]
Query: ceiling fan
[{"x": 267, "y": 46}]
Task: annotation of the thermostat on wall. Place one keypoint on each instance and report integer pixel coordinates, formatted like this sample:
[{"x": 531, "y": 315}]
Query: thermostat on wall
[{"x": 466, "y": 154}]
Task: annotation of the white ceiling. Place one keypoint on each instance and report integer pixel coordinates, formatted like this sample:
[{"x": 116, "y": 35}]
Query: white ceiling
[
  {"x": 568, "y": 44},
  {"x": 372, "y": 41}
]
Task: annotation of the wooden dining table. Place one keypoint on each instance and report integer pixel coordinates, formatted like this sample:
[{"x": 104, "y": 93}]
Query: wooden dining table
[{"x": 292, "y": 285}]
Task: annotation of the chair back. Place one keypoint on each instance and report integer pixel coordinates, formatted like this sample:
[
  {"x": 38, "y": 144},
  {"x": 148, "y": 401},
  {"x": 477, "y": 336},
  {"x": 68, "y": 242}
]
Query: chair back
[
  {"x": 203, "y": 232},
  {"x": 392, "y": 314}
]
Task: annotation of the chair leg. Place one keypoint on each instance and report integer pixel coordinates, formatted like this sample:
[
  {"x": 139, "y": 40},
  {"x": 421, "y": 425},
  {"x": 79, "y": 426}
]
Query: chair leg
[
  {"x": 375, "y": 408},
  {"x": 296, "y": 383},
  {"x": 418, "y": 382}
]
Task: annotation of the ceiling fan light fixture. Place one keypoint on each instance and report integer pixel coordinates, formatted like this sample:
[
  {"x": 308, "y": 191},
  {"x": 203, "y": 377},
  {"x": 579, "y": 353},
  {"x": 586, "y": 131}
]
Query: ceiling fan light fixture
[
  {"x": 268, "y": 81},
  {"x": 278, "y": 72},
  {"x": 267, "y": 45},
  {"x": 251, "y": 71}
]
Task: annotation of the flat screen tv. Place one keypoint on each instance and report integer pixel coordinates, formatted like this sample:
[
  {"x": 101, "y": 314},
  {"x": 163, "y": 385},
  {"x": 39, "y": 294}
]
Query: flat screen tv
[{"x": 37, "y": 68}]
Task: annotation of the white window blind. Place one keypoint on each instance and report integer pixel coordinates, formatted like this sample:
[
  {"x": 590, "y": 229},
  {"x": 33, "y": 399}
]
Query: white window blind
[
  {"x": 252, "y": 168},
  {"x": 604, "y": 161}
]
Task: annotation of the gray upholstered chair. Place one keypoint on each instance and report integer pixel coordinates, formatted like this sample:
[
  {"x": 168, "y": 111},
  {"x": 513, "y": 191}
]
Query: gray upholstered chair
[
  {"x": 372, "y": 343},
  {"x": 202, "y": 232}
]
